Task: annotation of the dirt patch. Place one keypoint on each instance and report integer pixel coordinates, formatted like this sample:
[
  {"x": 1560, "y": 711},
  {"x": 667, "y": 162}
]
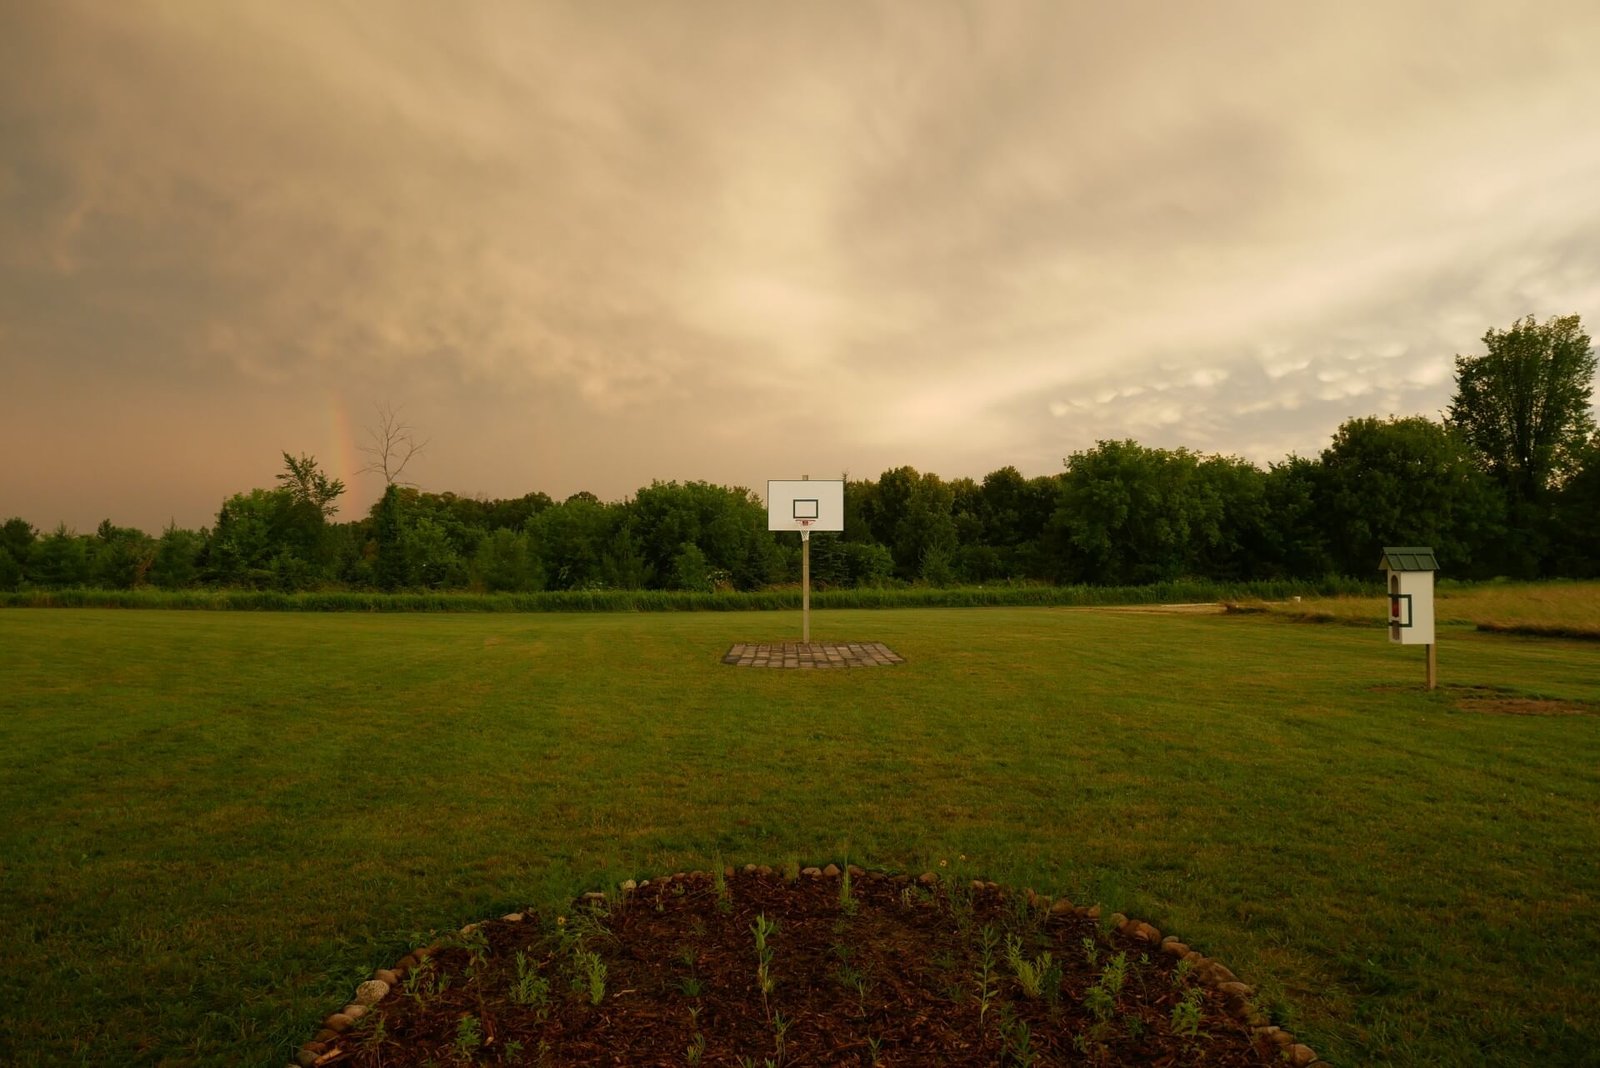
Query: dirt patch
[
  {"x": 1504, "y": 703},
  {"x": 1205, "y": 609},
  {"x": 815, "y": 969},
  {"x": 1542, "y": 630}
]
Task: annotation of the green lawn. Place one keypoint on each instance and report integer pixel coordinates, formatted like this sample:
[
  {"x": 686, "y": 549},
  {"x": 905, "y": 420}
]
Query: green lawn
[{"x": 217, "y": 823}]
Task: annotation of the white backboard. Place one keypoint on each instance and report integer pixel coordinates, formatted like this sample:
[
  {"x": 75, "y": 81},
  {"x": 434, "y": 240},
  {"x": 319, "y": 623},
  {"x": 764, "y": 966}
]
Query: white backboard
[{"x": 790, "y": 501}]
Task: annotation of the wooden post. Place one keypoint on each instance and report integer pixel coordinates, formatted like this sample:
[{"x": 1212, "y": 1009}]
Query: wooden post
[
  {"x": 805, "y": 588},
  {"x": 1433, "y": 667}
]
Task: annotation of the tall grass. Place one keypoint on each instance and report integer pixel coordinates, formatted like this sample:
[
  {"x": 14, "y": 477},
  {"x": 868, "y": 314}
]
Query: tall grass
[
  {"x": 787, "y": 599},
  {"x": 1552, "y": 609}
]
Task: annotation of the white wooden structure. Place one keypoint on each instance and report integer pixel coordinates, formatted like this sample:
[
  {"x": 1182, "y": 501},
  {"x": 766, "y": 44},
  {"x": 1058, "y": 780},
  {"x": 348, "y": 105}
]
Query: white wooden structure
[{"x": 1410, "y": 571}]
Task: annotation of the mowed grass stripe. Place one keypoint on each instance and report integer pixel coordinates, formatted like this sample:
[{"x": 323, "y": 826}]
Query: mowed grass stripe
[{"x": 218, "y": 823}]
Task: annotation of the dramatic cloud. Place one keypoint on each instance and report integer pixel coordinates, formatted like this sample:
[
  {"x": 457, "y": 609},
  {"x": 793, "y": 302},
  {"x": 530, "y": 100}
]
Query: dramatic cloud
[{"x": 586, "y": 246}]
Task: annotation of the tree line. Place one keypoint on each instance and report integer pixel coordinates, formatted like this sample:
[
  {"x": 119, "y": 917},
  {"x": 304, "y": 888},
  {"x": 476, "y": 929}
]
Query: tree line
[{"x": 1507, "y": 483}]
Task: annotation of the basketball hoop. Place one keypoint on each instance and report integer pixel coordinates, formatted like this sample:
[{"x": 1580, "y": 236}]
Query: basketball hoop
[{"x": 801, "y": 504}]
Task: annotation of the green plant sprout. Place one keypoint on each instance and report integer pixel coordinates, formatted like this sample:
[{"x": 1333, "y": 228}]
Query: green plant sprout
[
  {"x": 1186, "y": 1014},
  {"x": 1036, "y": 976},
  {"x": 696, "y": 1049},
  {"x": 988, "y": 989},
  {"x": 1016, "y": 1041},
  {"x": 591, "y": 974},
  {"x": 719, "y": 880},
  {"x": 530, "y": 988},
  {"x": 764, "y": 928},
  {"x": 469, "y": 1037},
  {"x": 780, "y": 1031}
]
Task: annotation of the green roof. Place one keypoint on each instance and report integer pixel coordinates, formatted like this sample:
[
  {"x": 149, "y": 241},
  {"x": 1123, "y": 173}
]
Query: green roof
[{"x": 1408, "y": 558}]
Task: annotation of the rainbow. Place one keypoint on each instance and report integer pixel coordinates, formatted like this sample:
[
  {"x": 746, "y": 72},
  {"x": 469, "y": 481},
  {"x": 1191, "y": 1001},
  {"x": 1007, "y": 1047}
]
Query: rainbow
[{"x": 344, "y": 453}]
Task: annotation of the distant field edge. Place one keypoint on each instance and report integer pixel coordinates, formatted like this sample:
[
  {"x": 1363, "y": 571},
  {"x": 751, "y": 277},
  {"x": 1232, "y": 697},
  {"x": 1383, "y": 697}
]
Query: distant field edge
[
  {"x": 1540, "y": 630},
  {"x": 788, "y": 599}
]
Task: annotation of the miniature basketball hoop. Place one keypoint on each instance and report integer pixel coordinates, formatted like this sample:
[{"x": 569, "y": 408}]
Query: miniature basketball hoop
[{"x": 805, "y": 505}]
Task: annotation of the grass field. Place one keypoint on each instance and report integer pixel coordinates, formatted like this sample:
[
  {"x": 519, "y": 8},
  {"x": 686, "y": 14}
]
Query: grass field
[
  {"x": 217, "y": 823},
  {"x": 1561, "y": 608}
]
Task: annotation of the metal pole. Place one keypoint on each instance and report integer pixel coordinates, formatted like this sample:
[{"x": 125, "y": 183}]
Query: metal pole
[
  {"x": 805, "y": 586},
  {"x": 1433, "y": 667}
]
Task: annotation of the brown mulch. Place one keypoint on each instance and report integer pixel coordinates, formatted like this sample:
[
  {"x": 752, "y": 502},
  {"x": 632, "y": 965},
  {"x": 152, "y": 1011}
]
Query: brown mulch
[{"x": 895, "y": 977}]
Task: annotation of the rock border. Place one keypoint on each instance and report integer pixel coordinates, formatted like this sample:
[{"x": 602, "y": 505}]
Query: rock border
[{"x": 1208, "y": 971}]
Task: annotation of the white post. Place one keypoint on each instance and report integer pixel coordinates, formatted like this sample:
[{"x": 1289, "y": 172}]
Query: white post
[
  {"x": 805, "y": 585},
  {"x": 805, "y": 579}
]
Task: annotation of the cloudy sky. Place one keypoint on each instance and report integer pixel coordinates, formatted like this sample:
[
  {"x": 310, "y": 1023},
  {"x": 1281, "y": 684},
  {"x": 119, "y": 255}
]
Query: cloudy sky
[{"x": 588, "y": 245}]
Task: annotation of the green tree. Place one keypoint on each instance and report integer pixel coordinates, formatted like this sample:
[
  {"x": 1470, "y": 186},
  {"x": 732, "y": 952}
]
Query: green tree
[
  {"x": 1296, "y": 535},
  {"x": 308, "y": 487},
  {"x": 1577, "y": 516},
  {"x": 1524, "y": 404},
  {"x": 244, "y": 545},
  {"x": 1407, "y": 481},
  {"x": 1128, "y": 514},
  {"x": 1236, "y": 541},
  {"x": 574, "y": 543},
  {"x": 912, "y": 514},
  {"x": 431, "y": 560},
  {"x": 389, "y": 557},
  {"x": 16, "y": 546},
  {"x": 60, "y": 559},
  {"x": 120, "y": 557},
  {"x": 504, "y": 562},
  {"x": 727, "y": 526},
  {"x": 177, "y": 553},
  {"x": 1524, "y": 408},
  {"x": 17, "y": 537}
]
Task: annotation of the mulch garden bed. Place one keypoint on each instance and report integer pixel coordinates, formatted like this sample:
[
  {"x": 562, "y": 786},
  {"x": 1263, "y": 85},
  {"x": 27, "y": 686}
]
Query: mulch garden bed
[{"x": 813, "y": 967}]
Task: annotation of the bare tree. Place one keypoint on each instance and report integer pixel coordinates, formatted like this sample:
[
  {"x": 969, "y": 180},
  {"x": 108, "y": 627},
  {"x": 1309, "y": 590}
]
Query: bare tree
[{"x": 394, "y": 443}]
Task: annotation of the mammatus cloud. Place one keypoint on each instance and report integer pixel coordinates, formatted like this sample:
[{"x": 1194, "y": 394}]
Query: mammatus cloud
[{"x": 587, "y": 246}]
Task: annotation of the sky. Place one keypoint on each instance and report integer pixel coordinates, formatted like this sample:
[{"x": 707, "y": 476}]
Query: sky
[{"x": 587, "y": 246}]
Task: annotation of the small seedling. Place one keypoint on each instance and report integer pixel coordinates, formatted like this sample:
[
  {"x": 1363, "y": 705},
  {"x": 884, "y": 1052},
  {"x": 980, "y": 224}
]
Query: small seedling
[
  {"x": 853, "y": 980},
  {"x": 530, "y": 987},
  {"x": 846, "y": 901},
  {"x": 590, "y": 974},
  {"x": 425, "y": 982},
  {"x": 988, "y": 989},
  {"x": 763, "y": 928},
  {"x": 1101, "y": 999},
  {"x": 1016, "y": 1041},
  {"x": 780, "y": 1031},
  {"x": 469, "y": 1036},
  {"x": 1186, "y": 1014},
  {"x": 1180, "y": 974},
  {"x": 1038, "y": 976},
  {"x": 375, "y": 1033}
]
